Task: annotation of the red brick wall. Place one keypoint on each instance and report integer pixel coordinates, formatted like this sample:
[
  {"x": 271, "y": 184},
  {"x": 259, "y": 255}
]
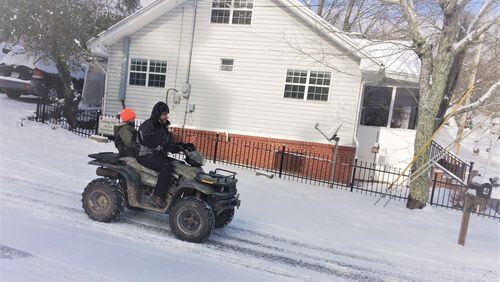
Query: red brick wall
[{"x": 301, "y": 159}]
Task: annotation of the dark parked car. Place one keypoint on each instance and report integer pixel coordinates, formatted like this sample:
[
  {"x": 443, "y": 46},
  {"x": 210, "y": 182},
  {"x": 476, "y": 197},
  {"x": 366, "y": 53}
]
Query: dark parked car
[{"x": 20, "y": 75}]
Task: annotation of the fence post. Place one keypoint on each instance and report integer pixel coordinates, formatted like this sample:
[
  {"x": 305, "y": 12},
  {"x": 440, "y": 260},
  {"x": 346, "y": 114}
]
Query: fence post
[
  {"x": 468, "y": 176},
  {"x": 216, "y": 145},
  {"x": 37, "y": 114},
  {"x": 433, "y": 188},
  {"x": 282, "y": 159},
  {"x": 43, "y": 111},
  {"x": 354, "y": 173}
]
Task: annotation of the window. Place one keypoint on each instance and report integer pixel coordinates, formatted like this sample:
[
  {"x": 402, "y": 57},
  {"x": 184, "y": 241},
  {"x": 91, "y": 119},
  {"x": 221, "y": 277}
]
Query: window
[
  {"x": 404, "y": 113},
  {"x": 376, "y": 105},
  {"x": 232, "y": 12},
  {"x": 226, "y": 64},
  {"x": 381, "y": 103},
  {"x": 315, "y": 83},
  {"x": 157, "y": 73},
  {"x": 138, "y": 72},
  {"x": 152, "y": 73}
]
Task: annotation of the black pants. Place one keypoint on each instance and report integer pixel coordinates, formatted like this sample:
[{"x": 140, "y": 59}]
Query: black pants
[{"x": 163, "y": 165}]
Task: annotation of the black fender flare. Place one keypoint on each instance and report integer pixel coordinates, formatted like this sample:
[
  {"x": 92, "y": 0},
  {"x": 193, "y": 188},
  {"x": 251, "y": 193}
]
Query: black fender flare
[
  {"x": 189, "y": 185},
  {"x": 132, "y": 178}
]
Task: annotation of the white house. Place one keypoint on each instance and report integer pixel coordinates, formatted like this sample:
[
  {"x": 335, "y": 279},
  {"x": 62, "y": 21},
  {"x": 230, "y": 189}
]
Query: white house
[{"x": 262, "y": 68}]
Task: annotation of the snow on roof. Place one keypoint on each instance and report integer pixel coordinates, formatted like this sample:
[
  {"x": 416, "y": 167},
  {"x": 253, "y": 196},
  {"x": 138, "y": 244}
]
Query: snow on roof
[
  {"x": 19, "y": 57},
  {"x": 397, "y": 56}
]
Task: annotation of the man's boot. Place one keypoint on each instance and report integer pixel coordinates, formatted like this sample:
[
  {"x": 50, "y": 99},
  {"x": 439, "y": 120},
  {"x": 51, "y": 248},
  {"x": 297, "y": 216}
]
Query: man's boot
[{"x": 158, "y": 201}]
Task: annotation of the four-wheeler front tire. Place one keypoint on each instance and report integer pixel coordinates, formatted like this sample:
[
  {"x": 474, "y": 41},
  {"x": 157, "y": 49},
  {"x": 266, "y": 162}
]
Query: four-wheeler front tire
[
  {"x": 192, "y": 219},
  {"x": 103, "y": 200},
  {"x": 224, "y": 218}
]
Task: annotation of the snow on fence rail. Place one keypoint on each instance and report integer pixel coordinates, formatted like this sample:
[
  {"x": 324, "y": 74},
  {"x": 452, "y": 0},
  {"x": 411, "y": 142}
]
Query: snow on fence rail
[{"x": 300, "y": 165}]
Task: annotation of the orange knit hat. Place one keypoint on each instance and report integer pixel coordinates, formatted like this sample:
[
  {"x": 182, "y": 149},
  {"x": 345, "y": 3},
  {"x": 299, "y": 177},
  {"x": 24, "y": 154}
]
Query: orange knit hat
[{"x": 127, "y": 115}]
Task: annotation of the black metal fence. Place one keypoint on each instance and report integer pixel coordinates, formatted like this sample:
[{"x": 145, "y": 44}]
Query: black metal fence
[
  {"x": 302, "y": 166},
  {"x": 84, "y": 122}
]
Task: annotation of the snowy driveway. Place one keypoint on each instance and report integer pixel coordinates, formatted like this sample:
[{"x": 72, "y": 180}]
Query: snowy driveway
[{"x": 283, "y": 231}]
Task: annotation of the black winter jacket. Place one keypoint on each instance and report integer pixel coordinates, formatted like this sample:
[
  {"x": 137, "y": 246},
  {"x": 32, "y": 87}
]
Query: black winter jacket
[{"x": 154, "y": 136}]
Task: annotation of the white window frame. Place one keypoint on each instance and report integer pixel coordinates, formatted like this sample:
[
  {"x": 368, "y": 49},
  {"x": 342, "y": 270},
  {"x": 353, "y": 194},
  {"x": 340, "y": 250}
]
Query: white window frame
[
  {"x": 391, "y": 107},
  {"x": 231, "y": 10},
  {"x": 307, "y": 84},
  {"x": 147, "y": 72}
]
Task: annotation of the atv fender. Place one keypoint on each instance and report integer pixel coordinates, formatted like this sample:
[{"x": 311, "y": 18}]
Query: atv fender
[
  {"x": 132, "y": 178},
  {"x": 190, "y": 185}
]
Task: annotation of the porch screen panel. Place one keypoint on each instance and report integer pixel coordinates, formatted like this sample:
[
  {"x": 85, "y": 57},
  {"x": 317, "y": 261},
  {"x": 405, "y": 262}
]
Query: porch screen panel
[
  {"x": 405, "y": 110},
  {"x": 376, "y": 105}
]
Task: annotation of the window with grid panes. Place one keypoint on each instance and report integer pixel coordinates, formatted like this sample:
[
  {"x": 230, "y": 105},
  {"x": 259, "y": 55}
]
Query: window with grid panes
[
  {"x": 319, "y": 86},
  {"x": 232, "y": 12},
  {"x": 138, "y": 72},
  {"x": 157, "y": 73},
  {"x": 295, "y": 85},
  {"x": 315, "y": 83},
  {"x": 151, "y": 73}
]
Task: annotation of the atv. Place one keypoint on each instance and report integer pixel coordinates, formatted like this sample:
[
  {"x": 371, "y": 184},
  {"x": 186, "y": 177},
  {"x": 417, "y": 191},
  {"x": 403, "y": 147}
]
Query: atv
[{"x": 196, "y": 202}]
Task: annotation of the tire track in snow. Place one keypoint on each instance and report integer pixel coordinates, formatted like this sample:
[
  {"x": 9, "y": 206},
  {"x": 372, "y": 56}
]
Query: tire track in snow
[
  {"x": 338, "y": 269},
  {"x": 117, "y": 230},
  {"x": 268, "y": 237},
  {"x": 223, "y": 247}
]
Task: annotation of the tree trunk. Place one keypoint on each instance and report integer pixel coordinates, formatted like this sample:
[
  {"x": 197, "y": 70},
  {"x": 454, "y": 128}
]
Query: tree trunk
[
  {"x": 437, "y": 67},
  {"x": 347, "y": 26},
  {"x": 71, "y": 105},
  {"x": 462, "y": 120},
  {"x": 319, "y": 11}
]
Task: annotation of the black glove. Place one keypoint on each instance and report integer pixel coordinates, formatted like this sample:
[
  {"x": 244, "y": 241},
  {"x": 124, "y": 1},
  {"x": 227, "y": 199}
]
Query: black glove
[{"x": 189, "y": 147}]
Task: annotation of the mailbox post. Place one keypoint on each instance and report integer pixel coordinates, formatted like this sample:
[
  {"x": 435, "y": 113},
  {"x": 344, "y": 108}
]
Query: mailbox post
[{"x": 479, "y": 187}]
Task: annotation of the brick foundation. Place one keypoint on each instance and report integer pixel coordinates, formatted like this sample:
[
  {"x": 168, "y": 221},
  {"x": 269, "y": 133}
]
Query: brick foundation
[{"x": 295, "y": 159}]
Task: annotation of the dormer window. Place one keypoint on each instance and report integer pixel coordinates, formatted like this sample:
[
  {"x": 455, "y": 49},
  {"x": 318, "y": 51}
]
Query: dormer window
[{"x": 232, "y": 12}]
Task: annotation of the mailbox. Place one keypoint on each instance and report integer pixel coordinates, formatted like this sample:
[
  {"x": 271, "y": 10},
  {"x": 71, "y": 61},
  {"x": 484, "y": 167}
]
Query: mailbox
[{"x": 482, "y": 186}]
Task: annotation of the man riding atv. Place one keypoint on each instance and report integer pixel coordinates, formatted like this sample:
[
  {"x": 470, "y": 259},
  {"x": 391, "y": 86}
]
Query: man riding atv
[
  {"x": 198, "y": 201},
  {"x": 155, "y": 142}
]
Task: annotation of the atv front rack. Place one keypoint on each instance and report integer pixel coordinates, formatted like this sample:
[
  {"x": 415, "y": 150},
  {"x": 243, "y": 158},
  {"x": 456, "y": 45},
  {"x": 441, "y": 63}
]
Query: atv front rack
[{"x": 215, "y": 178}]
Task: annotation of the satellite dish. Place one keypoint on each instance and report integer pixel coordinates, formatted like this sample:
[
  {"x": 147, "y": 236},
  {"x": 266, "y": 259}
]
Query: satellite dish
[{"x": 329, "y": 133}]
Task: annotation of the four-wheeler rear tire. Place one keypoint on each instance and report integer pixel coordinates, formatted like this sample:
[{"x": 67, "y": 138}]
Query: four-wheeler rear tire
[
  {"x": 103, "y": 200},
  {"x": 192, "y": 219},
  {"x": 224, "y": 218}
]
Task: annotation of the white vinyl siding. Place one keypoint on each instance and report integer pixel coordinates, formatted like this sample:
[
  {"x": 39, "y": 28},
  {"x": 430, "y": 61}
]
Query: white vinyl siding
[{"x": 250, "y": 100}]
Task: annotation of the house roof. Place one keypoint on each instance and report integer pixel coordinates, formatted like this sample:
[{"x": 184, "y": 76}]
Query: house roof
[
  {"x": 158, "y": 8},
  {"x": 370, "y": 56}
]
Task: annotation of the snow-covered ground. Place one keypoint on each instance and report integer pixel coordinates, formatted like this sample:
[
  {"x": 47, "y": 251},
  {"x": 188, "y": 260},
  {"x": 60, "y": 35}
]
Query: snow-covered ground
[{"x": 283, "y": 230}]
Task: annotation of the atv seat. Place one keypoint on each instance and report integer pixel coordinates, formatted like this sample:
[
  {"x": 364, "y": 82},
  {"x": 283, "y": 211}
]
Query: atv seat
[
  {"x": 148, "y": 176},
  {"x": 133, "y": 163}
]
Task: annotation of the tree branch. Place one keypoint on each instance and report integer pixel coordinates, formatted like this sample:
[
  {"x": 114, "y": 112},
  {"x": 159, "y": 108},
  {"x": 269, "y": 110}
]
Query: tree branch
[
  {"x": 486, "y": 96},
  {"x": 411, "y": 17},
  {"x": 486, "y": 6},
  {"x": 472, "y": 36}
]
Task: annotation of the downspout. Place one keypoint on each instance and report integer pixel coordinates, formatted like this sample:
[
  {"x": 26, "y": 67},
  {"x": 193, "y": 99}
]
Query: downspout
[
  {"x": 188, "y": 78},
  {"x": 122, "y": 92},
  {"x": 356, "y": 122}
]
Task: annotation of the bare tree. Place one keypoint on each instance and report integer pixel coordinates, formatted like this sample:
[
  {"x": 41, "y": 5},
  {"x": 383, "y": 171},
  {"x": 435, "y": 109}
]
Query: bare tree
[{"x": 436, "y": 42}]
